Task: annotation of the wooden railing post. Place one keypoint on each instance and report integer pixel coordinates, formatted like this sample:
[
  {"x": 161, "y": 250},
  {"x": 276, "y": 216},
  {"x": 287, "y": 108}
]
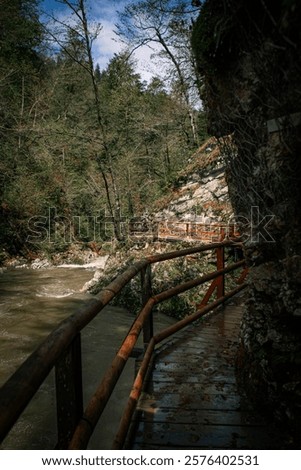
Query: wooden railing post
[
  {"x": 69, "y": 392},
  {"x": 188, "y": 229},
  {"x": 146, "y": 293},
  {"x": 220, "y": 264}
]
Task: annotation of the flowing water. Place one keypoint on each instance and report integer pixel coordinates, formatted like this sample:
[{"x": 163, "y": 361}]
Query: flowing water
[{"x": 32, "y": 303}]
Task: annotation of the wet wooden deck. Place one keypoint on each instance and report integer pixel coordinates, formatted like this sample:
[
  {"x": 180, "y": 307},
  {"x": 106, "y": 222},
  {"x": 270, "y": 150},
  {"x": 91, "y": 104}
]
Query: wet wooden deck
[{"x": 192, "y": 400}]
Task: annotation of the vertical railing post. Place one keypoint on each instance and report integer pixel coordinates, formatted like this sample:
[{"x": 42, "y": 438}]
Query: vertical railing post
[
  {"x": 146, "y": 293},
  {"x": 222, "y": 234},
  {"x": 69, "y": 392},
  {"x": 220, "y": 264}
]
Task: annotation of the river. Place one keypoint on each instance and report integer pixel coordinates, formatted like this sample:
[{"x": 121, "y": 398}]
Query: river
[{"x": 32, "y": 303}]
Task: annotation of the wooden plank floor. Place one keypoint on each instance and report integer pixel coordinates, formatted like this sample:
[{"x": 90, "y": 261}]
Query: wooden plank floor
[{"x": 192, "y": 401}]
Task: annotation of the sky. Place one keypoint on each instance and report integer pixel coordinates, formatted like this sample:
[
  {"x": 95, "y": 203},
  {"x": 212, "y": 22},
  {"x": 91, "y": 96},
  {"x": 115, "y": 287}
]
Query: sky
[{"x": 107, "y": 44}]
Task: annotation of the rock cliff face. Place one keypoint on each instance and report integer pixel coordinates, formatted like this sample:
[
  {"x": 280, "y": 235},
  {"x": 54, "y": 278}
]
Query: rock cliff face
[
  {"x": 200, "y": 194},
  {"x": 249, "y": 60}
]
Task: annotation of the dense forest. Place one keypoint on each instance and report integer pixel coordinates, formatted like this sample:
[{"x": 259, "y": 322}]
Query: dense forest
[{"x": 84, "y": 150}]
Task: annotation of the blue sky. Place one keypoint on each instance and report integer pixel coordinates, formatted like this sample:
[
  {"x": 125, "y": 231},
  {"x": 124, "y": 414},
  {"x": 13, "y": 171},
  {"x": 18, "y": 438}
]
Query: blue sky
[{"x": 104, "y": 11}]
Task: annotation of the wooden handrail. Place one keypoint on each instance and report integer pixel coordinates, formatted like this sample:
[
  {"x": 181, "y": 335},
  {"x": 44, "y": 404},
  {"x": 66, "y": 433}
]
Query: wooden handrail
[
  {"x": 193, "y": 230},
  {"x": 138, "y": 383},
  {"x": 100, "y": 398},
  {"x": 17, "y": 392}
]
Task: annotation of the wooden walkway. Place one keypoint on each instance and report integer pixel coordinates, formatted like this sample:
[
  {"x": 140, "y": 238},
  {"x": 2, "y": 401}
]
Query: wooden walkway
[{"x": 192, "y": 401}]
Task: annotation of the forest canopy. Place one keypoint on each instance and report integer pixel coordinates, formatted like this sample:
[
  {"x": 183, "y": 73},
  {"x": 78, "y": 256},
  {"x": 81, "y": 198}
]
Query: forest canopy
[{"x": 80, "y": 144}]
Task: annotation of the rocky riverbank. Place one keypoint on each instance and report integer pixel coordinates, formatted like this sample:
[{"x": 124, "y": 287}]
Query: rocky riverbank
[{"x": 107, "y": 266}]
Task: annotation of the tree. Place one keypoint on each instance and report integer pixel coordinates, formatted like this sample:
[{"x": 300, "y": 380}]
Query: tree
[
  {"x": 20, "y": 63},
  {"x": 133, "y": 142},
  {"x": 165, "y": 26},
  {"x": 21, "y": 71},
  {"x": 144, "y": 130},
  {"x": 80, "y": 28},
  {"x": 77, "y": 141}
]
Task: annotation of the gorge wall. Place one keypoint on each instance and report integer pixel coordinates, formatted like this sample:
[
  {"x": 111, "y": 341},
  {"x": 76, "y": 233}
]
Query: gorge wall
[
  {"x": 200, "y": 193},
  {"x": 248, "y": 57}
]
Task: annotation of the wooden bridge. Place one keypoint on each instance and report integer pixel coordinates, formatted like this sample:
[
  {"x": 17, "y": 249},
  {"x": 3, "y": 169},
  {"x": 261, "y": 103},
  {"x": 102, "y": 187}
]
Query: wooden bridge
[
  {"x": 191, "y": 399},
  {"x": 184, "y": 394}
]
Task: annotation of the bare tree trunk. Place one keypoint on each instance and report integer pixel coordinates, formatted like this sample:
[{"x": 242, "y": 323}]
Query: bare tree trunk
[
  {"x": 182, "y": 85},
  {"x": 21, "y": 113},
  {"x": 114, "y": 206}
]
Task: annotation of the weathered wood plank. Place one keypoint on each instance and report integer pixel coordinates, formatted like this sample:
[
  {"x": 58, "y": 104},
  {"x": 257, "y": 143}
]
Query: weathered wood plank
[
  {"x": 198, "y": 387},
  {"x": 202, "y": 417},
  {"x": 191, "y": 401},
  {"x": 193, "y": 436},
  {"x": 190, "y": 377}
]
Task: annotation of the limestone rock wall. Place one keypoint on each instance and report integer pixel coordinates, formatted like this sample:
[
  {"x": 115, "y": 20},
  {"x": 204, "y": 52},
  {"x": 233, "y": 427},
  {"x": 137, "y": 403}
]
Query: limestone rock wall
[
  {"x": 248, "y": 57},
  {"x": 200, "y": 193}
]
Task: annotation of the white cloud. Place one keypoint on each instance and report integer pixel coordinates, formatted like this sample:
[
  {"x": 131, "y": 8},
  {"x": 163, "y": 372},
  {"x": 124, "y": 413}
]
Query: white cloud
[
  {"x": 107, "y": 44},
  {"x": 145, "y": 63}
]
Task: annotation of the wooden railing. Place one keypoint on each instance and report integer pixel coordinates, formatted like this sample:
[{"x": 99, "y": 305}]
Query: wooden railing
[
  {"x": 62, "y": 350},
  {"x": 175, "y": 229},
  {"x": 195, "y": 231}
]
